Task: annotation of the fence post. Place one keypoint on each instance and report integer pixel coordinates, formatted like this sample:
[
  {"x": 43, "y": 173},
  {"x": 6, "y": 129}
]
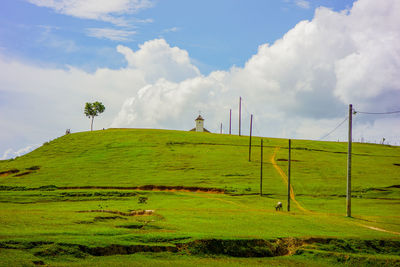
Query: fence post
[
  {"x": 240, "y": 113},
  {"x": 348, "y": 193},
  {"x": 261, "y": 171},
  {"x": 251, "y": 126},
  {"x": 288, "y": 189},
  {"x": 230, "y": 121}
]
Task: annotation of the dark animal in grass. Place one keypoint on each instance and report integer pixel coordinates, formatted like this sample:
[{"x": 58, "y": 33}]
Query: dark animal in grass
[
  {"x": 278, "y": 206},
  {"x": 142, "y": 200}
]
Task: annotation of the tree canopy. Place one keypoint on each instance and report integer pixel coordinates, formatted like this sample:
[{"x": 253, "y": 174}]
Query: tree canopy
[{"x": 92, "y": 110}]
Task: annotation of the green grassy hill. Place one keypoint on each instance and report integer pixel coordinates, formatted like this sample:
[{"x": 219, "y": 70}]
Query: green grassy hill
[{"x": 80, "y": 196}]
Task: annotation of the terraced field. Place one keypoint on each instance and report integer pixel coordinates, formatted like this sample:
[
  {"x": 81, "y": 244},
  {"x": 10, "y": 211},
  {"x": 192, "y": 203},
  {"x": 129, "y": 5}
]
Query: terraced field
[{"x": 156, "y": 197}]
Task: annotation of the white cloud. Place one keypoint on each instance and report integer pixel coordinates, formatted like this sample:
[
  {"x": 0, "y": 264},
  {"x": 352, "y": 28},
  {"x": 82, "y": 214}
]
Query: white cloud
[
  {"x": 10, "y": 153},
  {"x": 105, "y": 10},
  {"x": 111, "y": 34},
  {"x": 303, "y": 4},
  {"x": 156, "y": 59},
  {"x": 46, "y": 101},
  {"x": 298, "y": 87}
]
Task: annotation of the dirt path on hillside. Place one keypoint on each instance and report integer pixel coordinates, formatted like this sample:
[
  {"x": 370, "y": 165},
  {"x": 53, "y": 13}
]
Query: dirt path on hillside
[
  {"x": 292, "y": 196},
  {"x": 378, "y": 229},
  {"x": 285, "y": 179}
]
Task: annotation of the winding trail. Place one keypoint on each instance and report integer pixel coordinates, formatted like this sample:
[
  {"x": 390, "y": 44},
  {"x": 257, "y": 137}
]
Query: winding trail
[
  {"x": 285, "y": 179},
  {"x": 378, "y": 229},
  {"x": 292, "y": 196}
]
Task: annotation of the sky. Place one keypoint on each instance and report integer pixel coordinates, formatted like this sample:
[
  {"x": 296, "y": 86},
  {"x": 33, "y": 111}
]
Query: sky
[{"x": 297, "y": 64}]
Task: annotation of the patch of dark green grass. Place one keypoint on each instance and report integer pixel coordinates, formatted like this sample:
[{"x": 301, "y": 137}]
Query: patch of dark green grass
[
  {"x": 140, "y": 226},
  {"x": 60, "y": 250},
  {"x": 34, "y": 168},
  {"x": 391, "y": 247},
  {"x": 106, "y": 218}
]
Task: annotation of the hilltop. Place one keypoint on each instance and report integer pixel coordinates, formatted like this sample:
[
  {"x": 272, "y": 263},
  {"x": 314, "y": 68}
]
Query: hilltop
[{"x": 120, "y": 191}]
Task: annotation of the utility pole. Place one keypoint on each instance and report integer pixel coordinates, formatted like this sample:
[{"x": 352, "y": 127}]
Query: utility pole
[
  {"x": 288, "y": 186},
  {"x": 240, "y": 113},
  {"x": 261, "y": 167},
  {"x": 251, "y": 126},
  {"x": 348, "y": 195},
  {"x": 230, "y": 121},
  {"x": 220, "y": 131}
]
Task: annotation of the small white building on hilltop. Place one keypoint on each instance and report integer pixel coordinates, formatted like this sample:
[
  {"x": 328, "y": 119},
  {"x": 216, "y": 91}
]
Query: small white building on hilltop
[{"x": 199, "y": 125}]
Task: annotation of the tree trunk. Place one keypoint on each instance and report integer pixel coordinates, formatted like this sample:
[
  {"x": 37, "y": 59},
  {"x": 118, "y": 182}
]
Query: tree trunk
[{"x": 91, "y": 126}]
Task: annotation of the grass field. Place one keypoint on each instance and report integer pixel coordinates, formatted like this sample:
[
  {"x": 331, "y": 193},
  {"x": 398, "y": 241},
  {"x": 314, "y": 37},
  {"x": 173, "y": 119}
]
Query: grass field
[{"x": 76, "y": 201}]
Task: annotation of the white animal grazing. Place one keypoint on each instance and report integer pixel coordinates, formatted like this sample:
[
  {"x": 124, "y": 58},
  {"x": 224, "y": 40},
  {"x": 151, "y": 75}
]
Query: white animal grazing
[{"x": 278, "y": 206}]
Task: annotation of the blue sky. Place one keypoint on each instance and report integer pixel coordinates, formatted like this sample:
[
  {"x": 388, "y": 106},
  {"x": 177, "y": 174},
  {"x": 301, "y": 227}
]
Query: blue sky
[
  {"x": 217, "y": 34},
  {"x": 297, "y": 64}
]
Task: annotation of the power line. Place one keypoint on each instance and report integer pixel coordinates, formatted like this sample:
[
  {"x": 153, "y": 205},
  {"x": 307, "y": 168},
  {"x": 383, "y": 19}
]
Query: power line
[
  {"x": 255, "y": 117},
  {"x": 377, "y": 113},
  {"x": 326, "y": 135},
  {"x": 244, "y": 107}
]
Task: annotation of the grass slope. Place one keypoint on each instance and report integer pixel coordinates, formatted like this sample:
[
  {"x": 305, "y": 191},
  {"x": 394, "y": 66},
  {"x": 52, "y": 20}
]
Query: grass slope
[{"x": 55, "y": 194}]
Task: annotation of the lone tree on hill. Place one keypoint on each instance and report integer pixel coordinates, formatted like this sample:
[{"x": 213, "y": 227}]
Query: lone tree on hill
[{"x": 92, "y": 110}]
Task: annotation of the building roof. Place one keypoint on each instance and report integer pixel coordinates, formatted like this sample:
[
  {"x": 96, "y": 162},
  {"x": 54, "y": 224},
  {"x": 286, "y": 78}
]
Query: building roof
[
  {"x": 204, "y": 130},
  {"x": 199, "y": 118}
]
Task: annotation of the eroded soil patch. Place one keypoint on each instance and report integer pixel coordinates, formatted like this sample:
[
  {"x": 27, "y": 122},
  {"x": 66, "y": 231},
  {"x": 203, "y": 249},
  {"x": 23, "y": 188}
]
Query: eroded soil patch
[
  {"x": 18, "y": 173},
  {"x": 138, "y": 188},
  {"x": 8, "y": 172},
  {"x": 357, "y": 251},
  {"x": 131, "y": 213},
  {"x": 152, "y": 188}
]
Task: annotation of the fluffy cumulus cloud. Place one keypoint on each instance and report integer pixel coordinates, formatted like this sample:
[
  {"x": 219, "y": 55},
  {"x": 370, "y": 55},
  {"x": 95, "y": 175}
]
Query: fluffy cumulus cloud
[
  {"x": 300, "y": 85},
  {"x": 297, "y": 87},
  {"x": 39, "y": 103},
  {"x": 156, "y": 59}
]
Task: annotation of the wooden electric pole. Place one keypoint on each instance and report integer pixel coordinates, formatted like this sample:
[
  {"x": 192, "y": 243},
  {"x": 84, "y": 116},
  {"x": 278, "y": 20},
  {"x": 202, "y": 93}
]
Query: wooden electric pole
[
  {"x": 240, "y": 113},
  {"x": 348, "y": 195},
  {"x": 288, "y": 186},
  {"x": 261, "y": 167},
  {"x": 251, "y": 126},
  {"x": 230, "y": 121},
  {"x": 220, "y": 130}
]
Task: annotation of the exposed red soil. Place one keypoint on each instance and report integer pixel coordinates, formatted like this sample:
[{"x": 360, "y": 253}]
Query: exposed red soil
[
  {"x": 5, "y": 173},
  {"x": 152, "y": 188}
]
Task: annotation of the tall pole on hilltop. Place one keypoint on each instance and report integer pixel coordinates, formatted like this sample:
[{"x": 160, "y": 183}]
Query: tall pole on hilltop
[
  {"x": 240, "y": 113},
  {"x": 348, "y": 195},
  {"x": 251, "y": 126},
  {"x": 220, "y": 131},
  {"x": 288, "y": 187},
  {"x": 230, "y": 121},
  {"x": 261, "y": 172}
]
